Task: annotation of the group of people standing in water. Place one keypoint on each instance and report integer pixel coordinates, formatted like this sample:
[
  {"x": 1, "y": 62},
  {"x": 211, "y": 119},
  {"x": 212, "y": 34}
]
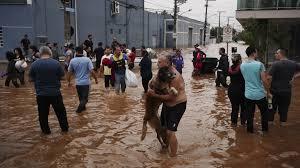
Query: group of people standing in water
[{"x": 252, "y": 85}]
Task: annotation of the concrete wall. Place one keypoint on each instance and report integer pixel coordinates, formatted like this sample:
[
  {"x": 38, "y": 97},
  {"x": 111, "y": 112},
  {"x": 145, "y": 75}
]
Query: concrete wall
[
  {"x": 42, "y": 18},
  {"x": 153, "y": 36},
  {"x": 91, "y": 20},
  {"x": 135, "y": 25},
  {"x": 184, "y": 26},
  {"x": 15, "y": 25}
]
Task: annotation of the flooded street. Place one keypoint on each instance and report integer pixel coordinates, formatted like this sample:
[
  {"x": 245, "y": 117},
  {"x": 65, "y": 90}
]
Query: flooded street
[{"x": 108, "y": 133}]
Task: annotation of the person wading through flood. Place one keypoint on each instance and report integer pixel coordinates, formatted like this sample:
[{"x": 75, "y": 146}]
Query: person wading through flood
[
  {"x": 11, "y": 71},
  {"x": 146, "y": 69},
  {"x": 254, "y": 73},
  {"x": 46, "y": 74},
  {"x": 131, "y": 58},
  {"x": 178, "y": 61},
  {"x": 20, "y": 61},
  {"x": 281, "y": 74},
  {"x": 99, "y": 52},
  {"x": 198, "y": 57},
  {"x": 236, "y": 91},
  {"x": 173, "y": 106},
  {"x": 82, "y": 67},
  {"x": 106, "y": 65},
  {"x": 119, "y": 69},
  {"x": 222, "y": 69}
]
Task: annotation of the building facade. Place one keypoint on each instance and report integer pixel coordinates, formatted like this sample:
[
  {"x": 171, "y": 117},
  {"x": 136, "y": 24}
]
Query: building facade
[
  {"x": 126, "y": 20},
  {"x": 188, "y": 32},
  {"x": 282, "y": 18}
]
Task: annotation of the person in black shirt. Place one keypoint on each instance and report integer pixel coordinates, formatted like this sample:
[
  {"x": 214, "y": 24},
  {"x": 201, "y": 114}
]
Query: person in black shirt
[
  {"x": 89, "y": 44},
  {"x": 99, "y": 52},
  {"x": 282, "y": 74},
  {"x": 222, "y": 69},
  {"x": 25, "y": 44},
  {"x": 236, "y": 91},
  {"x": 146, "y": 69},
  {"x": 55, "y": 52},
  {"x": 11, "y": 71}
]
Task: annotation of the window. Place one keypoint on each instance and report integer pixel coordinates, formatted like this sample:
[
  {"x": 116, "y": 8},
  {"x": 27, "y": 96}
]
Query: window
[
  {"x": 111, "y": 31},
  {"x": 1, "y": 38},
  {"x": 13, "y": 1},
  {"x": 170, "y": 27},
  {"x": 115, "y": 7},
  {"x": 120, "y": 31}
]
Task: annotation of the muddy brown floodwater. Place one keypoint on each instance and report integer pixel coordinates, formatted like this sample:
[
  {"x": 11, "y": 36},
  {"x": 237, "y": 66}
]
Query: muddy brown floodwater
[{"x": 108, "y": 133}]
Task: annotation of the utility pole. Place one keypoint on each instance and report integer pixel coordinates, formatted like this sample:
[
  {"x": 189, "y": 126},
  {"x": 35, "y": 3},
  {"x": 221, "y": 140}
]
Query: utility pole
[
  {"x": 219, "y": 28},
  {"x": 228, "y": 25},
  {"x": 205, "y": 22},
  {"x": 76, "y": 23},
  {"x": 67, "y": 22},
  {"x": 175, "y": 23}
]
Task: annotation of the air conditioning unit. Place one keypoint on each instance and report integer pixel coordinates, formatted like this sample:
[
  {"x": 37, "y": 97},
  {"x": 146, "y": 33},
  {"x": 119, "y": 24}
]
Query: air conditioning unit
[{"x": 115, "y": 7}]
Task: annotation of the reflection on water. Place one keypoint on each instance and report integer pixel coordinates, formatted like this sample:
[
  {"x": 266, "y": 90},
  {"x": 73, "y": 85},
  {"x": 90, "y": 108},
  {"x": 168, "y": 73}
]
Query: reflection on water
[{"x": 108, "y": 133}]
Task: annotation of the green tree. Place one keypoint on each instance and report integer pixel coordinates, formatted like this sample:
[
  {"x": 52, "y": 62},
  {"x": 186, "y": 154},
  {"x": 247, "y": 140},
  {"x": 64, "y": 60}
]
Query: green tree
[
  {"x": 213, "y": 32},
  {"x": 262, "y": 34},
  {"x": 255, "y": 34}
]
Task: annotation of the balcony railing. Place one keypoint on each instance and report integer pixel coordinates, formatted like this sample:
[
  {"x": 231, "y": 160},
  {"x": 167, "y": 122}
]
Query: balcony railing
[{"x": 268, "y": 4}]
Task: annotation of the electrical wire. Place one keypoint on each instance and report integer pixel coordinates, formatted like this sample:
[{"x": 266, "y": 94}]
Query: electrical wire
[{"x": 158, "y": 5}]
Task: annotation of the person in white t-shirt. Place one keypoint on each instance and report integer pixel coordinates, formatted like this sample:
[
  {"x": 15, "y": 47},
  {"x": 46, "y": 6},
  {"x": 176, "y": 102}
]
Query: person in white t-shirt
[{"x": 106, "y": 65}]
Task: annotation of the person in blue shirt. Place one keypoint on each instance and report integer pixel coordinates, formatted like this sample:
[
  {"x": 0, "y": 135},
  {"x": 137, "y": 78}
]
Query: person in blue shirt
[
  {"x": 46, "y": 74},
  {"x": 255, "y": 83},
  {"x": 81, "y": 67},
  {"x": 177, "y": 61}
]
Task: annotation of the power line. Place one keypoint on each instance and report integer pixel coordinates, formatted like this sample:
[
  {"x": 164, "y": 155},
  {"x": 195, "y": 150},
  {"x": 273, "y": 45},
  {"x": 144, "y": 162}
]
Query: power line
[{"x": 158, "y": 5}]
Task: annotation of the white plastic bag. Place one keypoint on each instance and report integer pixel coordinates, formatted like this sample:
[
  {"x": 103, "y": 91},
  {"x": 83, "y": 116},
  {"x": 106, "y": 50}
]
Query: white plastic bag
[
  {"x": 21, "y": 65},
  {"x": 130, "y": 79}
]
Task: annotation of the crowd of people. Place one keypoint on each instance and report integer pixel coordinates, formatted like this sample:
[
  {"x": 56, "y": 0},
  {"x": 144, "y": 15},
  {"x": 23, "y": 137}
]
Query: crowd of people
[{"x": 250, "y": 83}]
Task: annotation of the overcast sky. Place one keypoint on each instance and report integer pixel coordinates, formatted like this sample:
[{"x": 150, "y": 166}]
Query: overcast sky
[{"x": 198, "y": 10}]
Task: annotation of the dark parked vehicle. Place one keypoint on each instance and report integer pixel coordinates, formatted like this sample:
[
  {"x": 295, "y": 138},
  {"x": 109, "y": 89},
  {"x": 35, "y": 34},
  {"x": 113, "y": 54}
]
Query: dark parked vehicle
[{"x": 209, "y": 65}]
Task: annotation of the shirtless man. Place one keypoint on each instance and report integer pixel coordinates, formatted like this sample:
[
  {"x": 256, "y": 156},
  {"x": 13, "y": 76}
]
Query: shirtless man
[{"x": 173, "y": 106}]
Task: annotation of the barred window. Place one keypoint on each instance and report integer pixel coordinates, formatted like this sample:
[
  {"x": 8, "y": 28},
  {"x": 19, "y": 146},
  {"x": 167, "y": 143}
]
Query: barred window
[
  {"x": 13, "y": 1},
  {"x": 1, "y": 38}
]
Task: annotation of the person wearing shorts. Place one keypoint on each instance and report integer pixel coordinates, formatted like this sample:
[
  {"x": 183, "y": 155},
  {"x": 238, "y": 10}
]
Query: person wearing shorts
[
  {"x": 174, "y": 106},
  {"x": 171, "y": 116}
]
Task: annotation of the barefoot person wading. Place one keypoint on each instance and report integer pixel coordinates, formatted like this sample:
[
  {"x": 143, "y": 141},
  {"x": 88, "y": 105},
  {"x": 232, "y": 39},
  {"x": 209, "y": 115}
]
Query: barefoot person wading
[{"x": 173, "y": 106}]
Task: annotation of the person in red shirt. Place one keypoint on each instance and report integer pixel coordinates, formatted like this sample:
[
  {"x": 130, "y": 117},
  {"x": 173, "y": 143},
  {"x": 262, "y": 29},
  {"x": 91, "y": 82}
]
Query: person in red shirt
[{"x": 131, "y": 58}]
